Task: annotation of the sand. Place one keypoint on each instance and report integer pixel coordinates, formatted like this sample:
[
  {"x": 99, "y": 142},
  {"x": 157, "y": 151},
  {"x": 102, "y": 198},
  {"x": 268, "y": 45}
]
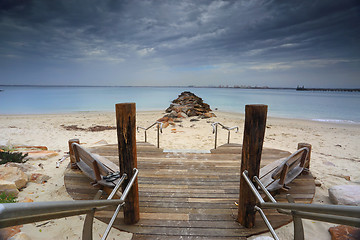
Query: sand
[{"x": 334, "y": 156}]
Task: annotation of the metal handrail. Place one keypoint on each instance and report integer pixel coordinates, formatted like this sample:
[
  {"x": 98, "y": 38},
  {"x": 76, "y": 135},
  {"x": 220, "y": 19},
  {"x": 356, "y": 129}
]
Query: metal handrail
[
  {"x": 159, "y": 130},
  {"x": 346, "y": 215},
  {"x": 12, "y": 214},
  {"x": 215, "y": 124}
]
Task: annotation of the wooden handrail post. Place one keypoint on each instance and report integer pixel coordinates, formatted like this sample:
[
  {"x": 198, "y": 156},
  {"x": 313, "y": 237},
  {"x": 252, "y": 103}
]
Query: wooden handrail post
[
  {"x": 126, "y": 133},
  {"x": 254, "y": 131},
  {"x": 307, "y": 161},
  {"x": 71, "y": 153}
]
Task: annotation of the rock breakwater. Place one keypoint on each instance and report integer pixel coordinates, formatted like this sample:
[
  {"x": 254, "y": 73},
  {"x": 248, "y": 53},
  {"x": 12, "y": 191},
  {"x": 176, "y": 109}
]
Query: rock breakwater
[{"x": 186, "y": 105}]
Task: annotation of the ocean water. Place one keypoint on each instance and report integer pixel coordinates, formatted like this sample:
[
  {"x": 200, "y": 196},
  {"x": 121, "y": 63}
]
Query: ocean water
[{"x": 341, "y": 107}]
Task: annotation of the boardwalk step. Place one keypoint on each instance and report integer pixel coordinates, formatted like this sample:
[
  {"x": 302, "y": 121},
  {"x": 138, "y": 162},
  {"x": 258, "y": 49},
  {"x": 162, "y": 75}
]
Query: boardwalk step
[{"x": 190, "y": 195}]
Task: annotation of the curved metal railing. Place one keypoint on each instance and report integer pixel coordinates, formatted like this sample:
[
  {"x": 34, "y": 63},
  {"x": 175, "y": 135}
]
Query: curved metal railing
[
  {"x": 12, "y": 214},
  {"x": 215, "y": 129},
  {"x": 346, "y": 215},
  {"x": 159, "y": 126}
]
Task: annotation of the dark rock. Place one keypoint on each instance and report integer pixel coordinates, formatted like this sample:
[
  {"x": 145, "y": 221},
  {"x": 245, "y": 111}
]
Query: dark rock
[
  {"x": 208, "y": 115},
  {"x": 192, "y": 113},
  {"x": 39, "y": 178}
]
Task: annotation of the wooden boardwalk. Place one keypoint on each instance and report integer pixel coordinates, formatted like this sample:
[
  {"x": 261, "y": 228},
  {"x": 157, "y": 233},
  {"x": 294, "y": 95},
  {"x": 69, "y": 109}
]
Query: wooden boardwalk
[{"x": 190, "y": 195}]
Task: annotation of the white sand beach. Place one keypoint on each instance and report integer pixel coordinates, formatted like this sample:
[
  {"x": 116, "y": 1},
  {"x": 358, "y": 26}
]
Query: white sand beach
[{"x": 335, "y": 157}]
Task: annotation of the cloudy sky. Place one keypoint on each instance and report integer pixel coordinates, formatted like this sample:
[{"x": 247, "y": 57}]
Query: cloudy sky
[{"x": 194, "y": 42}]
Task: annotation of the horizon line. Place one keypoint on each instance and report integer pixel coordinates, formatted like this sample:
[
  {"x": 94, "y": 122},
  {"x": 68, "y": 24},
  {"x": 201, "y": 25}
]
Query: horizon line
[{"x": 169, "y": 86}]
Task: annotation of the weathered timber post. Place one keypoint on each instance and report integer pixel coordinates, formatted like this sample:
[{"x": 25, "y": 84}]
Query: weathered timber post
[
  {"x": 307, "y": 162},
  {"x": 254, "y": 131},
  {"x": 71, "y": 153},
  {"x": 126, "y": 133}
]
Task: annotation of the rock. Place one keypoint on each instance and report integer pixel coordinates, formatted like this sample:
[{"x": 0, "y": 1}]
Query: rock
[
  {"x": 317, "y": 183},
  {"x": 263, "y": 238},
  {"x": 20, "y": 236},
  {"x": 166, "y": 124},
  {"x": 25, "y": 167},
  {"x": 163, "y": 119},
  {"x": 329, "y": 163},
  {"x": 41, "y": 155},
  {"x": 209, "y": 115},
  {"x": 189, "y": 105},
  {"x": 345, "y": 195},
  {"x": 23, "y": 147},
  {"x": 182, "y": 115},
  {"x": 191, "y": 113},
  {"x": 194, "y": 120},
  {"x": 342, "y": 232},
  {"x": 101, "y": 142},
  {"x": 6, "y": 233},
  {"x": 26, "y": 199},
  {"x": 13, "y": 174},
  {"x": 8, "y": 188},
  {"x": 172, "y": 114},
  {"x": 39, "y": 178}
]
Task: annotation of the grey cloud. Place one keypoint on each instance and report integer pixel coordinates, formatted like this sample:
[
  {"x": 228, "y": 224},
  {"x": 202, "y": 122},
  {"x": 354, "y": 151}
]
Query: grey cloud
[{"x": 178, "y": 33}]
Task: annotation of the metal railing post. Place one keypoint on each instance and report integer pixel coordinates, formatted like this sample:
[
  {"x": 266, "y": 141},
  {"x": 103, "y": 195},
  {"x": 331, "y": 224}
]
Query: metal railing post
[
  {"x": 216, "y": 128},
  {"x": 268, "y": 224},
  {"x": 346, "y": 215},
  {"x": 159, "y": 126},
  {"x": 87, "y": 233},
  {"x": 298, "y": 226},
  {"x": 12, "y": 214},
  {"x": 158, "y": 136},
  {"x": 215, "y": 131}
]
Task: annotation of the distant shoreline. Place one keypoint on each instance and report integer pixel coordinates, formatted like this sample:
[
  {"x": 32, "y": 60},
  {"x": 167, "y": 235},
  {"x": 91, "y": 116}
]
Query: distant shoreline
[
  {"x": 329, "y": 89},
  {"x": 226, "y": 87}
]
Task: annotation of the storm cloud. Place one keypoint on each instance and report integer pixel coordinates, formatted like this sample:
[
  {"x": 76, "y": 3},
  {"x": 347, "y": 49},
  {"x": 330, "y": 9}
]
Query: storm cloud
[{"x": 110, "y": 42}]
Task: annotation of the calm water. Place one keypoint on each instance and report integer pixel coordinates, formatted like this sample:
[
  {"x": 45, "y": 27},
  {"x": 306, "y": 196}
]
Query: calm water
[{"x": 322, "y": 106}]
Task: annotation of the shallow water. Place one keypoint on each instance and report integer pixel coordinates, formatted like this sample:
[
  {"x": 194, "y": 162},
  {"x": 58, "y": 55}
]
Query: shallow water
[{"x": 340, "y": 107}]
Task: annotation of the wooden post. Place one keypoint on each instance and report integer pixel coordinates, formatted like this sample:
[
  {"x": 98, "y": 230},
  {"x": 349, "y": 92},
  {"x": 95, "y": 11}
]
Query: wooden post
[
  {"x": 71, "y": 153},
  {"x": 254, "y": 131},
  {"x": 126, "y": 133},
  {"x": 307, "y": 162}
]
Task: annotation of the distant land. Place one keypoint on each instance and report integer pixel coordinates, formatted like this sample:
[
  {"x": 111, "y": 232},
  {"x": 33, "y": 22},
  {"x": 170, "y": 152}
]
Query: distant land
[
  {"x": 298, "y": 88},
  {"x": 328, "y": 89}
]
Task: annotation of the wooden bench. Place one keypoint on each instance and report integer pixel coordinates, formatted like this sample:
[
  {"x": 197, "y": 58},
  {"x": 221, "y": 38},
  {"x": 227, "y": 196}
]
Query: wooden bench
[
  {"x": 279, "y": 173},
  {"x": 102, "y": 171}
]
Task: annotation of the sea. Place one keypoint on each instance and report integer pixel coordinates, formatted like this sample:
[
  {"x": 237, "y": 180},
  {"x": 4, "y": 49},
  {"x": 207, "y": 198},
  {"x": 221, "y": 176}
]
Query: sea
[{"x": 326, "y": 106}]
